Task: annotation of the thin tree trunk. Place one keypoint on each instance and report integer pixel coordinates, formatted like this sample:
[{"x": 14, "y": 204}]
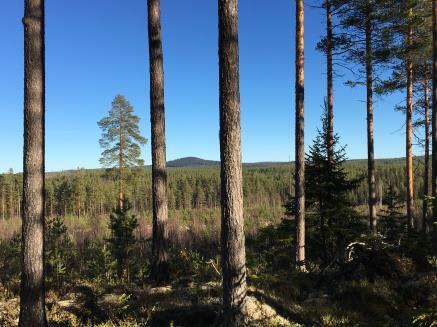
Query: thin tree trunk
[
  {"x": 32, "y": 293},
  {"x": 409, "y": 133},
  {"x": 159, "y": 271},
  {"x": 19, "y": 206},
  {"x": 299, "y": 139},
  {"x": 232, "y": 222},
  {"x": 11, "y": 200},
  {"x": 3, "y": 202},
  {"x": 330, "y": 102},
  {"x": 426, "y": 174},
  {"x": 120, "y": 171},
  {"x": 370, "y": 143},
  {"x": 434, "y": 119}
]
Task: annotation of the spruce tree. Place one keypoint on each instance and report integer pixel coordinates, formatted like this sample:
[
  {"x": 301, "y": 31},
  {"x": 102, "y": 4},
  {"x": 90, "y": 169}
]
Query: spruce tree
[
  {"x": 329, "y": 209},
  {"x": 122, "y": 225},
  {"x": 392, "y": 220}
]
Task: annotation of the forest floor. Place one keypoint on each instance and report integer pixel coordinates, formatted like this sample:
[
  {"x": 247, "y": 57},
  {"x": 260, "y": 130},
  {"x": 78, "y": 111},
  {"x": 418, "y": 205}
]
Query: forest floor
[
  {"x": 183, "y": 303},
  {"x": 379, "y": 286},
  {"x": 306, "y": 300}
]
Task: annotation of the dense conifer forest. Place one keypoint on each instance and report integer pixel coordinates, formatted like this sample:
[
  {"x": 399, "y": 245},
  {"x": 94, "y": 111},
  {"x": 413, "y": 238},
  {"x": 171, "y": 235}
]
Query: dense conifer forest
[
  {"x": 323, "y": 240},
  {"x": 91, "y": 193}
]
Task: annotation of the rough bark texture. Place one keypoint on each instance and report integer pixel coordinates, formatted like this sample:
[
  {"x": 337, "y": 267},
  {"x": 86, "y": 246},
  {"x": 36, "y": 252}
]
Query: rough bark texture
[
  {"x": 120, "y": 171},
  {"x": 3, "y": 202},
  {"x": 299, "y": 138},
  {"x": 232, "y": 224},
  {"x": 409, "y": 133},
  {"x": 32, "y": 293},
  {"x": 330, "y": 100},
  {"x": 426, "y": 173},
  {"x": 434, "y": 117},
  {"x": 159, "y": 272},
  {"x": 370, "y": 143}
]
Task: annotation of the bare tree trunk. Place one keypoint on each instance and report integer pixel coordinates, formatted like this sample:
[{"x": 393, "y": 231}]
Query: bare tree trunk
[
  {"x": 159, "y": 271},
  {"x": 299, "y": 182},
  {"x": 232, "y": 224},
  {"x": 330, "y": 102},
  {"x": 409, "y": 133},
  {"x": 434, "y": 119},
  {"x": 371, "y": 181},
  {"x": 11, "y": 200},
  {"x": 120, "y": 172},
  {"x": 426, "y": 174},
  {"x": 32, "y": 294},
  {"x": 3, "y": 202}
]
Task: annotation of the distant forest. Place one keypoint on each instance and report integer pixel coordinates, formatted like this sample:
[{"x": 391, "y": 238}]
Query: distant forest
[{"x": 92, "y": 192}]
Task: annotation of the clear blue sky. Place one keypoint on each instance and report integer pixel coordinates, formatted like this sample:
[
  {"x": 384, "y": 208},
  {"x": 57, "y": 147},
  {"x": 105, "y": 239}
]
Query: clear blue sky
[{"x": 96, "y": 49}]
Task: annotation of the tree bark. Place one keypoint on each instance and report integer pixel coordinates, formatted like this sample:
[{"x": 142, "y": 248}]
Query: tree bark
[
  {"x": 159, "y": 273},
  {"x": 3, "y": 202},
  {"x": 434, "y": 119},
  {"x": 11, "y": 199},
  {"x": 426, "y": 173},
  {"x": 120, "y": 166},
  {"x": 371, "y": 181},
  {"x": 232, "y": 224},
  {"x": 409, "y": 133},
  {"x": 32, "y": 293},
  {"x": 299, "y": 139},
  {"x": 330, "y": 102}
]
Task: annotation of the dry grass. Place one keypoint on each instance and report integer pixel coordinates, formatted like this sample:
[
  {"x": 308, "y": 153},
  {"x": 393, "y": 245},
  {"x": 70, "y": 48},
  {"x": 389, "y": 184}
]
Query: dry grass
[{"x": 186, "y": 227}]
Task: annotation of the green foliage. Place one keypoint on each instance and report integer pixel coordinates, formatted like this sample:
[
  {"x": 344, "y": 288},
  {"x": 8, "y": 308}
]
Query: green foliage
[
  {"x": 59, "y": 252},
  {"x": 392, "y": 222},
  {"x": 331, "y": 217},
  {"x": 122, "y": 240},
  {"x": 271, "y": 251},
  {"x": 121, "y": 138},
  {"x": 10, "y": 254}
]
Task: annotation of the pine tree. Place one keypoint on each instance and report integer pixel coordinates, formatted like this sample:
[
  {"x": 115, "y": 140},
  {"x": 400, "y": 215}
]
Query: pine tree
[
  {"x": 299, "y": 182},
  {"x": 327, "y": 45},
  {"x": 232, "y": 222},
  {"x": 363, "y": 41},
  {"x": 32, "y": 292},
  {"x": 121, "y": 139},
  {"x": 434, "y": 118},
  {"x": 409, "y": 30},
  {"x": 159, "y": 271}
]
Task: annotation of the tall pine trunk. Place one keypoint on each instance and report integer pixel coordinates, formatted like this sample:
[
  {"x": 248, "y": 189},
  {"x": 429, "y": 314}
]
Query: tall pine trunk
[
  {"x": 370, "y": 142},
  {"x": 32, "y": 293},
  {"x": 330, "y": 100},
  {"x": 409, "y": 131},
  {"x": 120, "y": 172},
  {"x": 232, "y": 224},
  {"x": 426, "y": 173},
  {"x": 434, "y": 118},
  {"x": 159, "y": 272},
  {"x": 3, "y": 202},
  {"x": 299, "y": 139}
]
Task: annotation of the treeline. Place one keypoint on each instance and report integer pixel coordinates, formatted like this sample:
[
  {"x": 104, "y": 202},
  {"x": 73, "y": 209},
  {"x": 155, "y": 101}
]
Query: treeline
[{"x": 94, "y": 192}]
